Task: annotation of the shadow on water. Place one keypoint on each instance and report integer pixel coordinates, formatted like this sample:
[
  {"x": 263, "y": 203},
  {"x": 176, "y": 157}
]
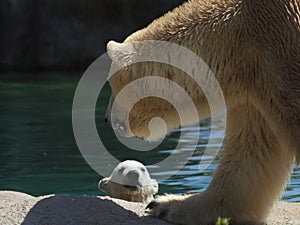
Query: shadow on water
[{"x": 39, "y": 154}]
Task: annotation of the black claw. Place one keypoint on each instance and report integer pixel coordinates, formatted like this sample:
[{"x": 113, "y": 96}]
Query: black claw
[
  {"x": 152, "y": 205},
  {"x": 163, "y": 214}
]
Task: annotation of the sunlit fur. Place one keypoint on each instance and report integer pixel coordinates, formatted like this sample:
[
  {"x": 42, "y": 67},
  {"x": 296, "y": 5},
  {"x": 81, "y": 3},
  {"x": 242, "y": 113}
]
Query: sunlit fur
[{"x": 253, "y": 47}]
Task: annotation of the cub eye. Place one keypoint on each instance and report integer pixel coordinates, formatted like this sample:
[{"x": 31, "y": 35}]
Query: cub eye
[
  {"x": 143, "y": 169},
  {"x": 121, "y": 170}
]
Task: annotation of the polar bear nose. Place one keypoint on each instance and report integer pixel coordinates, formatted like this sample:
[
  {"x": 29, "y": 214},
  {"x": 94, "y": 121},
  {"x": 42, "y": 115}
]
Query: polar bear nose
[
  {"x": 133, "y": 175},
  {"x": 107, "y": 121}
]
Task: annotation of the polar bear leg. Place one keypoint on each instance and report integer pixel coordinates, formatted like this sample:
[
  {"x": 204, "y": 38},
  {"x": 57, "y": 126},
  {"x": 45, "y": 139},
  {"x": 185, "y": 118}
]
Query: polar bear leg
[{"x": 250, "y": 178}]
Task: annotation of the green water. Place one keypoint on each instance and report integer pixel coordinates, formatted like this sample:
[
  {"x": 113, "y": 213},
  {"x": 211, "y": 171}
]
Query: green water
[{"x": 38, "y": 153}]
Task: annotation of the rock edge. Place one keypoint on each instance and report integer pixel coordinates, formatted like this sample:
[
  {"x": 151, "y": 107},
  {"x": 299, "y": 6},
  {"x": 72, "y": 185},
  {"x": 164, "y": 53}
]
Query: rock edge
[{"x": 20, "y": 208}]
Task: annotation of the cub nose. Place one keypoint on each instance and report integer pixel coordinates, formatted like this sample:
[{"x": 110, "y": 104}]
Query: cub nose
[{"x": 133, "y": 175}]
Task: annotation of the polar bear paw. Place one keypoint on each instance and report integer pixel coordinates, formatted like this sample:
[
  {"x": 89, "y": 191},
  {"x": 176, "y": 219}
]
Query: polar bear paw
[{"x": 185, "y": 209}]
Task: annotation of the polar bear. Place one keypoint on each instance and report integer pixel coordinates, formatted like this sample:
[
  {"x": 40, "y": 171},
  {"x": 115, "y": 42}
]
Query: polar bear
[
  {"x": 130, "y": 181},
  {"x": 253, "y": 48}
]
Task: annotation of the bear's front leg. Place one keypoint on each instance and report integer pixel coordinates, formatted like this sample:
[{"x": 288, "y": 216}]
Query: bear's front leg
[{"x": 250, "y": 178}]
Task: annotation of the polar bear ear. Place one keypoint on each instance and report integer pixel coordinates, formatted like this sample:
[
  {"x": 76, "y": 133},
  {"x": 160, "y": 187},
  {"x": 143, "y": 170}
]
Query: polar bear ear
[
  {"x": 113, "y": 49},
  {"x": 119, "y": 52},
  {"x": 102, "y": 185}
]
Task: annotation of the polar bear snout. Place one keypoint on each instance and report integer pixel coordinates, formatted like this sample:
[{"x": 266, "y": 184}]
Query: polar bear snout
[
  {"x": 121, "y": 128},
  {"x": 133, "y": 174},
  {"x": 115, "y": 119},
  {"x": 117, "y": 125},
  {"x": 133, "y": 178}
]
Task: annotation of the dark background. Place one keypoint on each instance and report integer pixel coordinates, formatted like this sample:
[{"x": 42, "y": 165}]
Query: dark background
[{"x": 41, "y": 35}]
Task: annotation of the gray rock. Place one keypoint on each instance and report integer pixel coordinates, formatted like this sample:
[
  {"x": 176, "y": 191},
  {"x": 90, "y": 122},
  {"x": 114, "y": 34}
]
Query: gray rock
[{"x": 19, "y": 208}]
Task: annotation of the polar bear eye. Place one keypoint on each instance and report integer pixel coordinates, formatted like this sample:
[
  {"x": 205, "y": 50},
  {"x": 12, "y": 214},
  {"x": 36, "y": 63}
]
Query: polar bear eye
[
  {"x": 121, "y": 170},
  {"x": 143, "y": 169}
]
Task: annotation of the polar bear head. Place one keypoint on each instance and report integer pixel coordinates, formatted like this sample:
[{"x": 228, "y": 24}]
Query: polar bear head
[{"x": 154, "y": 114}]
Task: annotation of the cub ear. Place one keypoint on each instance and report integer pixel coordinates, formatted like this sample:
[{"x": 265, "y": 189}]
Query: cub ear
[
  {"x": 119, "y": 51},
  {"x": 102, "y": 185}
]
